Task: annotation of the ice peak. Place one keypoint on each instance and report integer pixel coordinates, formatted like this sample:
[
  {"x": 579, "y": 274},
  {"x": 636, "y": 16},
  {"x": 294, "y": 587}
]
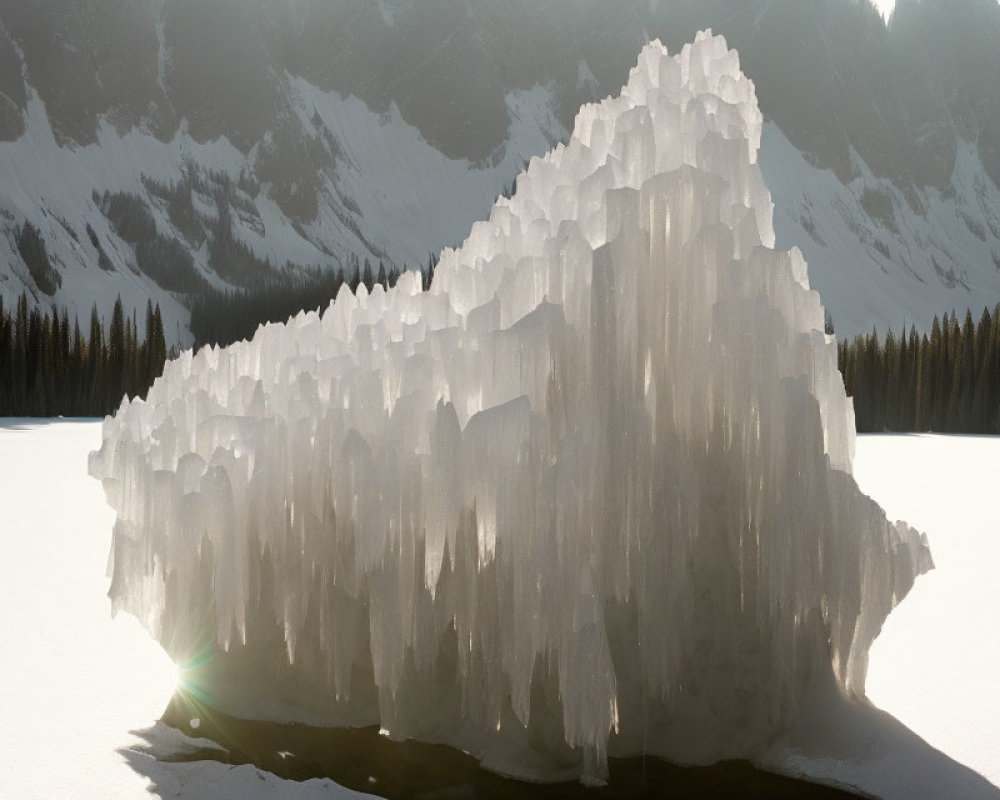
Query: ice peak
[{"x": 591, "y": 493}]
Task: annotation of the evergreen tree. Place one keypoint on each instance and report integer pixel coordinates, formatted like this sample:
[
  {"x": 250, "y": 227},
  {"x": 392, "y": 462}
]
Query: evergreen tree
[
  {"x": 94, "y": 387},
  {"x": 428, "y": 276},
  {"x": 939, "y": 362},
  {"x": 948, "y": 382},
  {"x": 6, "y": 362},
  {"x": 77, "y": 395},
  {"x": 116, "y": 359},
  {"x": 367, "y": 278}
]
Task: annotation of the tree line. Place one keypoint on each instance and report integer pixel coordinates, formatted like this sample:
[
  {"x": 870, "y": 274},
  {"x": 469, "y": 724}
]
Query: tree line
[
  {"x": 49, "y": 367},
  {"x": 223, "y": 317},
  {"x": 946, "y": 381}
]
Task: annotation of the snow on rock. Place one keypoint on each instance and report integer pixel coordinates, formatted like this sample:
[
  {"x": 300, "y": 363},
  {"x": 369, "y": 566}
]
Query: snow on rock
[
  {"x": 875, "y": 260},
  {"x": 589, "y": 495},
  {"x": 360, "y": 207},
  {"x": 53, "y": 188},
  {"x": 409, "y": 198}
]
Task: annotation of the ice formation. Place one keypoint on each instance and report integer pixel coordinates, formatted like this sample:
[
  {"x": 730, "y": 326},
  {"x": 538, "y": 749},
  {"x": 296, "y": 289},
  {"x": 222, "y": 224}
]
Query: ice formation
[{"x": 590, "y": 495}]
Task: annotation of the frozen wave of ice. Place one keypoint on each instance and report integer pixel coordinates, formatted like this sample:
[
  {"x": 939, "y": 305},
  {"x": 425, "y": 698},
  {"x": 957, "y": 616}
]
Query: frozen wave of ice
[{"x": 591, "y": 494}]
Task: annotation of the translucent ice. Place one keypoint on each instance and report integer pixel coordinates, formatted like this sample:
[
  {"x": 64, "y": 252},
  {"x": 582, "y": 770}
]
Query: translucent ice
[{"x": 591, "y": 494}]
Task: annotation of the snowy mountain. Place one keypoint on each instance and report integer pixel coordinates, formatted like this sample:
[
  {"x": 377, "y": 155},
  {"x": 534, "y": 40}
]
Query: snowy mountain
[{"x": 151, "y": 147}]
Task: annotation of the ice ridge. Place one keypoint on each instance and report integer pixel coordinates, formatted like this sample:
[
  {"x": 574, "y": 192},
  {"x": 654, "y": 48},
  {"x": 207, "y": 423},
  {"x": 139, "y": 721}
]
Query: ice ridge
[{"x": 591, "y": 494}]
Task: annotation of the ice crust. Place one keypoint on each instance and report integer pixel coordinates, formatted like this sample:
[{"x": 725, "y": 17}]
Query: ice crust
[{"x": 591, "y": 494}]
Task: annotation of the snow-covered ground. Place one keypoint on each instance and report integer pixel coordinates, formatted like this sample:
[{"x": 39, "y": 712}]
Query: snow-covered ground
[
  {"x": 80, "y": 692},
  {"x": 74, "y": 684},
  {"x": 937, "y": 662}
]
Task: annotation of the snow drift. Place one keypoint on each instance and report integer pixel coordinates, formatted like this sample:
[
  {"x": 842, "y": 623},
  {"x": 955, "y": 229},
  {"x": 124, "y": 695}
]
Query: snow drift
[{"x": 589, "y": 495}]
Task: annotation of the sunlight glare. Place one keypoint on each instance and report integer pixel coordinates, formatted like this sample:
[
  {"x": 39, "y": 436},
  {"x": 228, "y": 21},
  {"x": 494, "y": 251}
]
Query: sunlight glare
[
  {"x": 151, "y": 677},
  {"x": 885, "y": 6},
  {"x": 76, "y": 681}
]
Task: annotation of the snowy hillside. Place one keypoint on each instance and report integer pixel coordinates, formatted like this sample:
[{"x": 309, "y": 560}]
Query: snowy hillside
[
  {"x": 156, "y": 146},
  {"x": 878, "y": 256},
  {"x": 372, "y": 194}
]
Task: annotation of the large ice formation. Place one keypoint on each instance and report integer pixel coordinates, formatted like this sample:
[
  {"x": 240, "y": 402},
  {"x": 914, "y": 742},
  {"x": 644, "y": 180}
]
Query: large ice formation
[{"x": 591, "y": 494}]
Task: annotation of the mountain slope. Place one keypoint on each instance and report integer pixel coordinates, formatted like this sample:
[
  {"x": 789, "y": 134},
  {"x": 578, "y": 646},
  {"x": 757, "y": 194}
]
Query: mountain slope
[{"x": 157, "y": 146}]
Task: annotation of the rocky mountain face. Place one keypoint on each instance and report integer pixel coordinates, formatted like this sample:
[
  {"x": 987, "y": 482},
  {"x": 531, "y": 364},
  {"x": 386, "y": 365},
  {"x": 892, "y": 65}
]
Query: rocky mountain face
[{"x": 151, "y": 148}]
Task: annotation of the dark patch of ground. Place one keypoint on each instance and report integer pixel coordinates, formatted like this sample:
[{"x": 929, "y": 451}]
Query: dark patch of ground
[{"x": 361, "y": 759}]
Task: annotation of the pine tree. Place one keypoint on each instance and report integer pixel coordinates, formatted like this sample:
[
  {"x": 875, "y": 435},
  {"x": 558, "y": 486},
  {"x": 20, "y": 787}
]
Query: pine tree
[
  {"x": 993, "y": 389},
  {"x": 35, "y": 362},
  {"x": 77, "y": 395},
  {"x": 939, "y": 369},
  {"x": 6, "y": 362},
  {"x": 921, "y": 385},
  {"x": 116, "y": 361},
  {"x": 96, "y": 403},
  {"x": 47, "y": 370},
  {"x": 367, "y": 278},
  {"x": 428, "y": 276},
  {"x": 947, "y": 382},
  {"x": 890, "y": 373},
  {"x": 157, "y": 346}
]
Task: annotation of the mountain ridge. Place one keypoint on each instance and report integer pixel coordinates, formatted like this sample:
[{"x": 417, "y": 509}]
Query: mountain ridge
[{"x": 321, "y": 132}]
